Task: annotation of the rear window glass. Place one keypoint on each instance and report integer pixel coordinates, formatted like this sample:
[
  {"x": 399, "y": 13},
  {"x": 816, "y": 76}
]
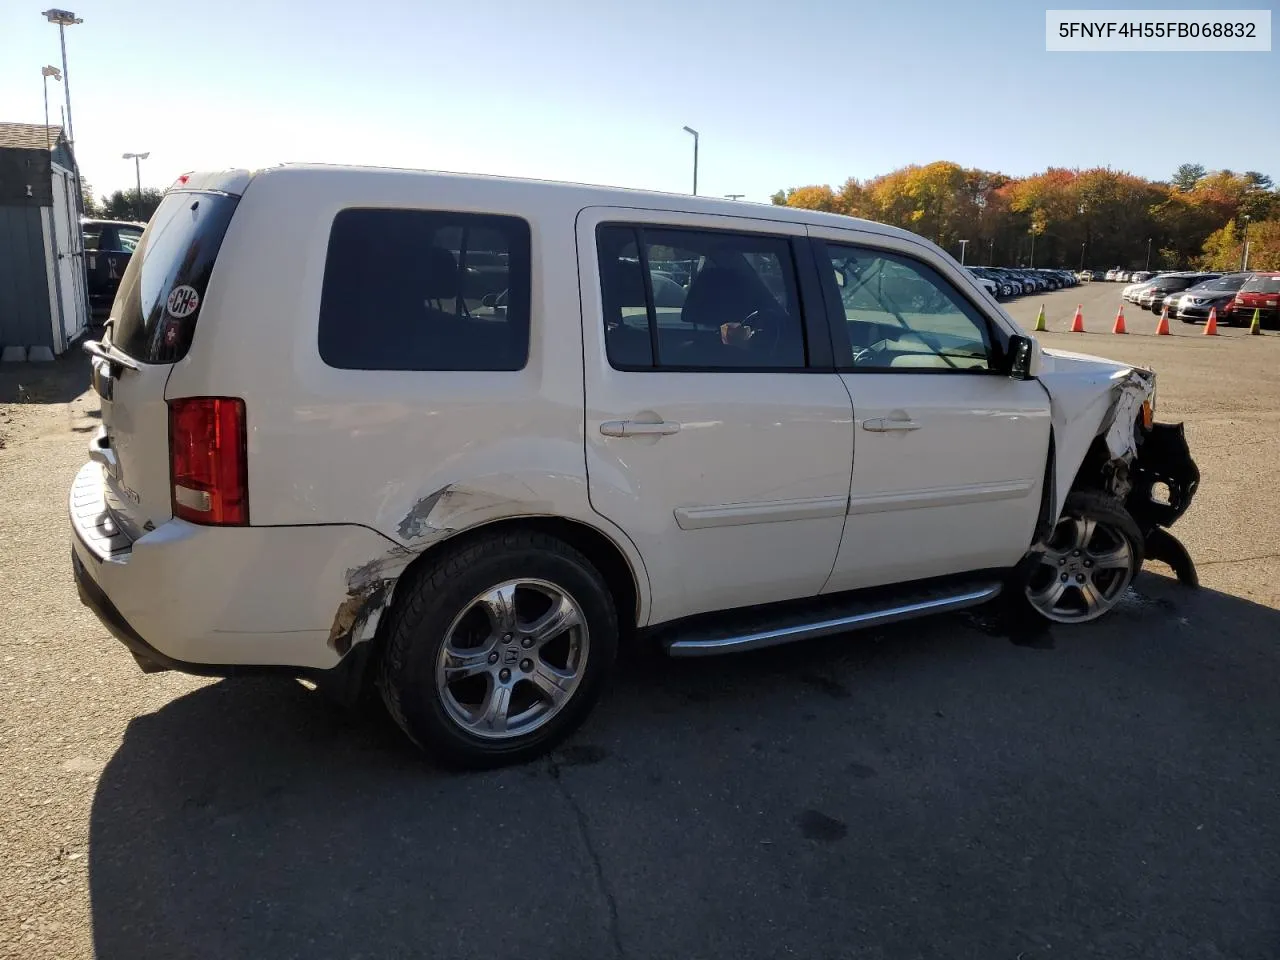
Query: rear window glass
[
  {"x": 162, "y": 290},
  {"x": 129, "y": 237},
  {"x": 425, "y": 290},
  {"x": 1261, "y": 285}
]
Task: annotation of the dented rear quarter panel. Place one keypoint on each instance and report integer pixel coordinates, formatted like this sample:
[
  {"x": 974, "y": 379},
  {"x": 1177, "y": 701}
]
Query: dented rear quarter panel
[{"x": 416, "y": 456}]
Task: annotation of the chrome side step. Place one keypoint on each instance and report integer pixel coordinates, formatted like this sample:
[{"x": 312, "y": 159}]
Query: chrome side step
[{"x": 836, "y": 617}]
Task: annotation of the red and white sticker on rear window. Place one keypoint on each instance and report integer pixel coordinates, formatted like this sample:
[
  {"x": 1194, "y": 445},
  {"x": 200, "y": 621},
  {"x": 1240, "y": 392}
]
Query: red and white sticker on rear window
[{"x": 183, "y": 301}]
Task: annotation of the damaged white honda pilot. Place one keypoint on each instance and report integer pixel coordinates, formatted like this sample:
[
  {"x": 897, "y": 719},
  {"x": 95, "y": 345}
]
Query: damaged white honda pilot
[{"x": 457, "y": 437}]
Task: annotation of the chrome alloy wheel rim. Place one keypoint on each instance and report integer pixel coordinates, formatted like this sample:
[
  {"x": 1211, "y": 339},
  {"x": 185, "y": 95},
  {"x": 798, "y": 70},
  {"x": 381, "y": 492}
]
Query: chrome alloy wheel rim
[
  {"x": 512, "y": 659},
  {"x": 1086, "y": 567}
]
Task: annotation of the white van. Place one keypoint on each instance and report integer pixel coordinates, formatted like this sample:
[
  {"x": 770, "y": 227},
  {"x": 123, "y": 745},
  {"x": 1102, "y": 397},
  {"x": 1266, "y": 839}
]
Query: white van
[{"x": 461, "y": 436}]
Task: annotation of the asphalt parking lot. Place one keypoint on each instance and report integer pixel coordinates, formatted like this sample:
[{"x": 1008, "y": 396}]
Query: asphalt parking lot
[{"x": 931, "y": 790}]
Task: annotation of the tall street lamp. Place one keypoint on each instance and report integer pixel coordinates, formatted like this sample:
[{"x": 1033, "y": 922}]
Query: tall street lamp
[
  {"x": 963, "y": 244},
  {"x": 46, "y": 73},
  {"x": 1148, "y": 266},
  {"x": 1244, "y": 253},
  {"x": 991, "y": 252},
  {"x": 1032, "y": 264},
  {"x": 137, "y": 159},
  {"x": 64, "y": 19},
  {"x": 695, "y": 157},
  {"x": 1082, "y": 255}
]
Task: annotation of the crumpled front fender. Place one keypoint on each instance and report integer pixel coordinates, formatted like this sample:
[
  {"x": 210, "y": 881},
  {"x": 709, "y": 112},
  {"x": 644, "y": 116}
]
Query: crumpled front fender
[{"x": 1163, "y": 458}]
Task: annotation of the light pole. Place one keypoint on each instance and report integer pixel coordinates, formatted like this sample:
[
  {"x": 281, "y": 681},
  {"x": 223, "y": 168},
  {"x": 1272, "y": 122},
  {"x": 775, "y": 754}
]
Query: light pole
[
  {"x": 1082, "y": 255},
  {"x": 963, "y": 244},
  {"x": 991, "y": 252},
  {"x": 1244, "y": 253},
  {"x": 1032, "y": 264},
  {"x": 695, "y": 157},
  {"x": 137, "y": 159},
  {"x": 64, "y": 19},
  {"x": 46, "y": 73},
  {"x": 1148, "y": 266}
]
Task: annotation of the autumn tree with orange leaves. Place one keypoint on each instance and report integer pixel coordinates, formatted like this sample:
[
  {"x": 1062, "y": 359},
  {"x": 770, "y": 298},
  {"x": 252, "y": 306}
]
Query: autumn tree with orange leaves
[{"x": 1063, "y": 217}]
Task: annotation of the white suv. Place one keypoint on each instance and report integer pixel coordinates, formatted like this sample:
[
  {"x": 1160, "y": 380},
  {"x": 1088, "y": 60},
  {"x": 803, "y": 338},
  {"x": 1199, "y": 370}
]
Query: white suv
[{"x": 460, "y": 436}]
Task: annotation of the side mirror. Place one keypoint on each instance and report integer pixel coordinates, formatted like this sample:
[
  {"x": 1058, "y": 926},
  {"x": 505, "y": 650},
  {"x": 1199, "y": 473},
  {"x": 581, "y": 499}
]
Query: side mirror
[{"x": 1023, "y": 357}]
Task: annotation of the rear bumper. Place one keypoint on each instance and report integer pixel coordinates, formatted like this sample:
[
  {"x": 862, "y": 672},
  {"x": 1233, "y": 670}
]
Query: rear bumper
[
  {"x": 150, "y": 660},
  {"x": 216, "y": 601}
]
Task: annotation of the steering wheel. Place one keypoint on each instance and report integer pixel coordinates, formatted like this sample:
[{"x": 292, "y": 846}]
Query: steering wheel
[
  {"x": 766, "y": 319},
  {"x": 868, "y": 354}
]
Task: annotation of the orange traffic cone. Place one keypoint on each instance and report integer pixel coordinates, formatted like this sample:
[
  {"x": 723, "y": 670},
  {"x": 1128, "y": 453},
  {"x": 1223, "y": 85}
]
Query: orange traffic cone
[
  {"x": 1077, "y": 324},
  {"x": 1162, "y": 328},
  {"x": 1119, "y": 327},
  {"x": 1211, "y": 328}
]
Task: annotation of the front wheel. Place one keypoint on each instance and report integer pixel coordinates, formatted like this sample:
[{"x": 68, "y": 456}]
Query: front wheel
[
  {"x": 1093, "y": 554},
  {"x": 497, "y": 650}
]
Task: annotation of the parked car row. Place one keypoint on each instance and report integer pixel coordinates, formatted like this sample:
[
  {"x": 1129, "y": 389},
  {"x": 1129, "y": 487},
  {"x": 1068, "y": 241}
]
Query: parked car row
[
  {"x": 1189, "y": 296},
  {"x": 1006, "y": 282},
  {"x": 1128, "y": 276}
]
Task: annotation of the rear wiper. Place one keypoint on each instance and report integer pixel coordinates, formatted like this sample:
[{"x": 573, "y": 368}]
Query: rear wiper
[{"x": 105, "y": 351}]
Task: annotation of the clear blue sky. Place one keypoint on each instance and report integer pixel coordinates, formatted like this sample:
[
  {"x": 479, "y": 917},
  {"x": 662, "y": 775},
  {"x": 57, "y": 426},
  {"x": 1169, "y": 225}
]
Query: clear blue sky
[{"x": 784, "y": 93}]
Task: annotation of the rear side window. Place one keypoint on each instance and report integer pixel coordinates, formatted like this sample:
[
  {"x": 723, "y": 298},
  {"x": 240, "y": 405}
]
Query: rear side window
[
  {"x": 425, "y": 290},
  {"x": 164, "y": 285},
  {"x": 699, "y": 300}
]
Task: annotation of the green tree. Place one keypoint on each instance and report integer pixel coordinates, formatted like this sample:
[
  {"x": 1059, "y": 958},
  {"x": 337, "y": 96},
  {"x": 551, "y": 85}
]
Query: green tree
[
  {"x": 86, "y": 197},
  {"x": 1222, "y": 248},
  {"x": 1187, "y": 176},
  {"x": 125, "y": 205}
]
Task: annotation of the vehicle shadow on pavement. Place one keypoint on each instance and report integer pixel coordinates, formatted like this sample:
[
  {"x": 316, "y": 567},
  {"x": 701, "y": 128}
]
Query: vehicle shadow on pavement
[
  {"x": 58, "y": 382},
  {"x": 931, "y": 789}
]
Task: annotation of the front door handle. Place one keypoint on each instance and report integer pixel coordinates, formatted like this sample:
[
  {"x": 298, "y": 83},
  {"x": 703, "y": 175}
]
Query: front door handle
[
  {"x": 638, "y": 428},
  {"x": 884, "y": 425}
]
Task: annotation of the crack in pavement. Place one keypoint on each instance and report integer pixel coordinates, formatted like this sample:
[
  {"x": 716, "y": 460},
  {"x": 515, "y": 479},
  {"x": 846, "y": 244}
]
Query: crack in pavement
[
  {"x": 1265, "y": 556},
  {"x": 615, "y": 933}
]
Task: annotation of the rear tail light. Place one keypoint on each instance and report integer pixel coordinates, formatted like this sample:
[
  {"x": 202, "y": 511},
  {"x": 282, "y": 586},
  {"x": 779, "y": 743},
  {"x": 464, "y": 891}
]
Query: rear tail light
[{"x": 208, "y": 465}]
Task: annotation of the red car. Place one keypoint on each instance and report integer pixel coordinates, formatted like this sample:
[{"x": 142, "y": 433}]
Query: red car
[{"x": 1260, "y": 292}]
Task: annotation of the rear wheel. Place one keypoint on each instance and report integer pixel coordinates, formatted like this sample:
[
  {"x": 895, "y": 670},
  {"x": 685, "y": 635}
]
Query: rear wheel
[
  {"x": 1088, "y": 562},
  {"x": 497, "y": 651}
]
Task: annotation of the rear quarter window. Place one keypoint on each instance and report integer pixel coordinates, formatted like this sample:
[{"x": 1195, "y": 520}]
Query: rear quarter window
[{"x": 425, "y": 290}]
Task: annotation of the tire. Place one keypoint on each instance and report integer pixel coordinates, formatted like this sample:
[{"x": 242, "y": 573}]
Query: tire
[
  {"x": 449, "y": 617},
  {"x": 1085, "y": 570}
]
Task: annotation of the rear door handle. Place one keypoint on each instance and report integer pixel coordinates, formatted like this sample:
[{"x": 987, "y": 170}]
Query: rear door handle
[
  {"x": 638, "y": 428},
  {"x": 884, "y": 425}
]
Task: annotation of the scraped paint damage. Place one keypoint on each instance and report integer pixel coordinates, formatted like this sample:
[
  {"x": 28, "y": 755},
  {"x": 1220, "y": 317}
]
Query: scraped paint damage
[
  {"x": 431, "y": 519},
  {"x": 369, "y": 589}
]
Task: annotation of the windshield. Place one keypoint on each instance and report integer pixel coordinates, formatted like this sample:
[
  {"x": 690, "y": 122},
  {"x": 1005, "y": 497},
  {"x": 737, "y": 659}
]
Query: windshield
[
  {"x": 158, "y": 302},
  {"x": 1261, "y": 285}
]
